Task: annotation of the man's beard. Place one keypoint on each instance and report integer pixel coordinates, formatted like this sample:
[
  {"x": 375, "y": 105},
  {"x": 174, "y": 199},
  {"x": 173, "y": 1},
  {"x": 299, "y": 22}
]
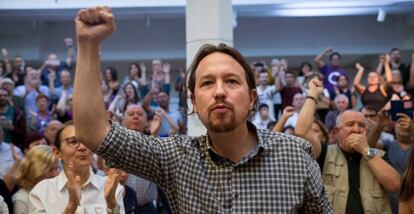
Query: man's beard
[{"x": 221, "y": 122}]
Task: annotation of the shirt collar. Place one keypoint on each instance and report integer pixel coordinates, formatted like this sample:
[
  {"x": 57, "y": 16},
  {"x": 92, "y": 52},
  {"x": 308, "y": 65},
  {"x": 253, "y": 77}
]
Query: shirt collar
[
  {"x": 93, "y": 180},
  {"x": 209, "y": 151}
]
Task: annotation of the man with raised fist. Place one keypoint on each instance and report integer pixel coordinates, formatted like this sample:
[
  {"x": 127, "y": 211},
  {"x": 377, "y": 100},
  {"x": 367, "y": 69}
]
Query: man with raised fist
[{"x": 233, "y": 168}]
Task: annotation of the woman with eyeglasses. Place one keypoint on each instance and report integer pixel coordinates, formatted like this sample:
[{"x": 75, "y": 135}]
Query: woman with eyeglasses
[{"x": 76, "y": 189}]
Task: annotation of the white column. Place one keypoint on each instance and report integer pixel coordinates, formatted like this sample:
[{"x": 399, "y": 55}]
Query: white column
[{"x": 207, "y": 22}]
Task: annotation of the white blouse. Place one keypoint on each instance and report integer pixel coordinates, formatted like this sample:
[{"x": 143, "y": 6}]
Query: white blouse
[{"x": 51, "y": 195}]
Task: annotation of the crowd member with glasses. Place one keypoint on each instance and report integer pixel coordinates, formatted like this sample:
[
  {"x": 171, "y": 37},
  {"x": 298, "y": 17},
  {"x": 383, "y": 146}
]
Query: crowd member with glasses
[
  {"x": 373, "y": 118},
  {"x": 38, "y": 164},
  {"x": 76, "y": 188}
]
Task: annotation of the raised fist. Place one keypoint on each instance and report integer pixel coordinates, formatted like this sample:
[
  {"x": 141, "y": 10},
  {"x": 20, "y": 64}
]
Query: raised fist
[
  {"x": 94, "y": 24},
  {"x": 68, "y": 42},
  {"x": 315, "y": 87},
  {"x": 359, "y": 66}
]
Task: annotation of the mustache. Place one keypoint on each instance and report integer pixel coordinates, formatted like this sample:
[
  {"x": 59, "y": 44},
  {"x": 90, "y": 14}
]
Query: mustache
[{"x": 221, "y": 104}]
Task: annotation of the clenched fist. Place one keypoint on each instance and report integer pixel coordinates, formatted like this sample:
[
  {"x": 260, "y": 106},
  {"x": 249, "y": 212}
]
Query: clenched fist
[{"x": 94, "y": 24}]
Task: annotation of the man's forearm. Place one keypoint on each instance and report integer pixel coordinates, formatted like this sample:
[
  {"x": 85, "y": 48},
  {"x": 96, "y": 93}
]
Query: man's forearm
[
  {"x": 385, "y": 174},
  {"x": 89, "y": 108}
]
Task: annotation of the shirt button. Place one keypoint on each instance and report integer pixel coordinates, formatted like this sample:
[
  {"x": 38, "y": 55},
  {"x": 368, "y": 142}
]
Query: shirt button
[{"x": 236, "y": 196}]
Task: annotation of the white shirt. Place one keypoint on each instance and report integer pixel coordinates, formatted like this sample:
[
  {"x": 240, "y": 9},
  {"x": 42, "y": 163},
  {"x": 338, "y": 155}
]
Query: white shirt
[
  {"x": 266, "y": 96},
  {"x": 51, "y": 195},
  {"x": 3, "y": 206},
  {"x": 292, "y": 120},
  {"x": 262, "y": 124},
  {"x": 21, "y": 201}
]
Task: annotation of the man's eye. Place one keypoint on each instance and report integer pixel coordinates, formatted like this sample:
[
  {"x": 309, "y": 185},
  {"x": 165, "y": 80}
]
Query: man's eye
[
  {"x": 206, "y": 83},
  {"x": 232, "y": 81}
]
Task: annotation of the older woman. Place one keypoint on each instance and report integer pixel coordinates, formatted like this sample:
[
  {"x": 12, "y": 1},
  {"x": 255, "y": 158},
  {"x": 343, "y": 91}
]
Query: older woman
[
  {"x": 38, "y": 164},
  {"x": 76, "y": 188}
]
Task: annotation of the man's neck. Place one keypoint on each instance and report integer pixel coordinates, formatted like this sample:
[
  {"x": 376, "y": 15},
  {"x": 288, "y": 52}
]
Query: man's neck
[{"x": 233, "y": 145}]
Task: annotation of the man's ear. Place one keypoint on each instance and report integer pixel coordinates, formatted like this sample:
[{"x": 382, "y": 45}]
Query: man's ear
[
  {"x": 253, "y": 98},
  {"x": 193, "y": 103}
]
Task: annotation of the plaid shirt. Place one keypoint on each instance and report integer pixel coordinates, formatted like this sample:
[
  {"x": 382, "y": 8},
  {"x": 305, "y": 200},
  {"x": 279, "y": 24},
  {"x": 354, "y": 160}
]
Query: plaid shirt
[{"x": 278, "y": 176}]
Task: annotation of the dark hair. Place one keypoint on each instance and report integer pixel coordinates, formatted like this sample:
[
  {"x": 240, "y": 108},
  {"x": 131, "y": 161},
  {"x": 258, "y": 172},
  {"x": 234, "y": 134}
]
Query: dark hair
[
  {"x": 290, "y": 72},
  {"x": 394, "y": 49},
  {"x": 342, "y": 75},
  {"x": 369, "y": 108},
  {"x": 134, "y": 100},
  {"x": 288, "y": 127},
  {"x": 263, "y": 105},
  {"x": 303, "y": 65},
  {"x": 31, "y": 138},
  {"x": 323, "y": 129},
  {"x": 136, "y": 65},
  {"x": 271, "y": 125},
  {"x": 407, "y": 184},
  {"x": 206, "y": 50},
  {"x": 263, "y": 71},
  {"x": 114, "y": 73},
  {"x": 334, "y": 54},
  {"x": 58, "y": 142}
]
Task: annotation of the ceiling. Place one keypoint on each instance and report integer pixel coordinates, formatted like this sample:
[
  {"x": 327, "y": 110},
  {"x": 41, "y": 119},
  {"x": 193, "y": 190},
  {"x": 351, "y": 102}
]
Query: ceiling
[{"x": 45, "y": 10}]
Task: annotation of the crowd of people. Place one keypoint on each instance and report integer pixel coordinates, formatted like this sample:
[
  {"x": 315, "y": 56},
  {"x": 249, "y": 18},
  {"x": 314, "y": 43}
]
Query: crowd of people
[{"x": 362, "y": 146}]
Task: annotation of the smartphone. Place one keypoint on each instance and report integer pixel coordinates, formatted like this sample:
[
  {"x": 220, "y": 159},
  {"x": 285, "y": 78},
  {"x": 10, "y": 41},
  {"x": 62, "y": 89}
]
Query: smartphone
[{"x": 399, "y": 106}]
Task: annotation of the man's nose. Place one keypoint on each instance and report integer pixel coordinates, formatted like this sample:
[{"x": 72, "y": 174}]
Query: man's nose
[{"x": 220, "y": 91}]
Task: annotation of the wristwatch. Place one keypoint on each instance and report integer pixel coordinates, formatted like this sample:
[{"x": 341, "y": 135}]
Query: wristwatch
[
  {"x": 370, "y": 154},
  {"x": 115, "y": 210}
]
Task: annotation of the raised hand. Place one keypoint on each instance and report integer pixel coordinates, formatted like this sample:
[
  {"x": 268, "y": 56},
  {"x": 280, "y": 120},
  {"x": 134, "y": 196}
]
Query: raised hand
[
  {"x": 4, "y": 52},
  {"x": 387, "y": 58},
  {"x": 381, "y": 58},
  {"x": 94, "y": 24},
  {"x": 68, "y": 42},
  {"x": 142, "y": 67},
  {"x": 155, "y": 123},
  {"x": 288, "y": 111},
  {"x": 110, "y": 187},
  {"x": 359, "y": 66},
  {"x": 166, "y": 67},
  {"x": 73, "y": 185},
  {"x": 405, "y": 121},
  {"x": 16, "y": 156},
  {"x": 315, "y": 87},
  {"x": 328, "y": 50}
]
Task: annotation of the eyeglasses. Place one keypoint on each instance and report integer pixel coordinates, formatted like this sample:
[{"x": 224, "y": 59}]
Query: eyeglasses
[
  {"x": 370, "y": 115},
  {"x": 71, "y": 142},
  {"x": 396, "y": 83}
]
